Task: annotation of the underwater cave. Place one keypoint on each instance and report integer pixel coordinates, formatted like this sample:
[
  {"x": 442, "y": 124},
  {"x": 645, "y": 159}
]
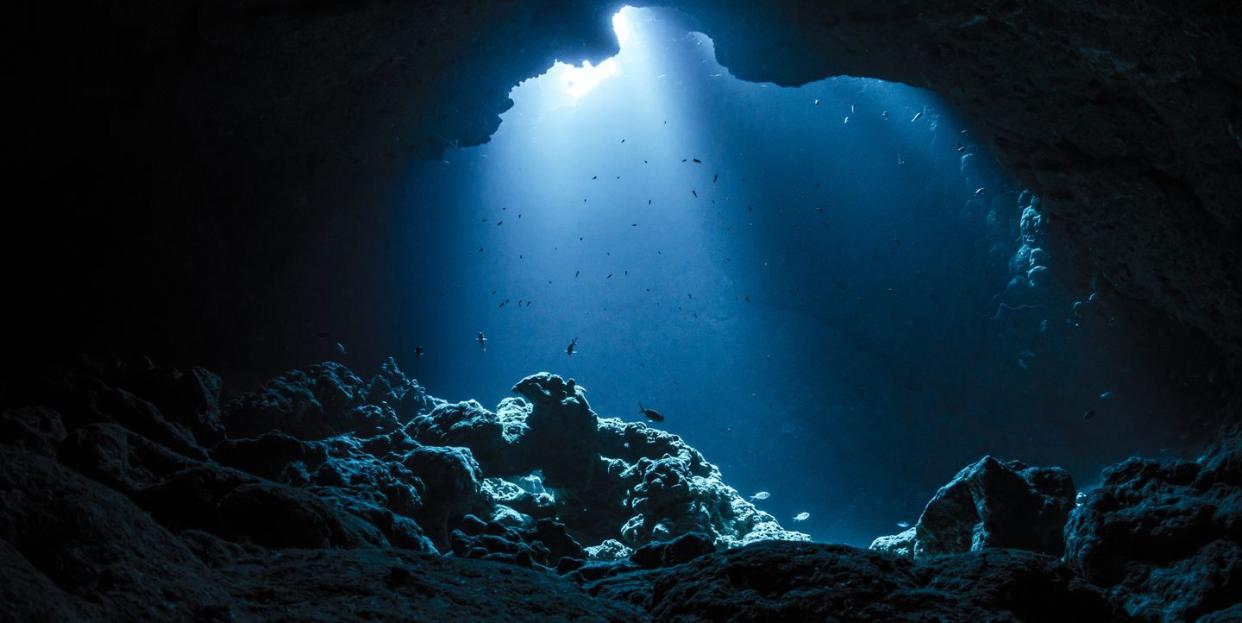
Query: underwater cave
[{"x": 674, "y": 311}]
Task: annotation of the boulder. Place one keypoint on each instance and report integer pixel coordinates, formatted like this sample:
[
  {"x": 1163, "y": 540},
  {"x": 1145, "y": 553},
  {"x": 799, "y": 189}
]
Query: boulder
[
  {"x": 1165, "y": 536},
  {"x": 991, "y": 504},
  {"x": 452, "y": 479}
]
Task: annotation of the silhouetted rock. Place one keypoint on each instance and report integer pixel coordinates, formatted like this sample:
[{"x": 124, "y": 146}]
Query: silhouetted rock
[
  {"x": 791, "y": 581},
  {"x": 269, "y": 455},
  {"x": 451, "y": 476},
  {"x": 37, "y": 429},
  {"x": 190, "y": 398},
  {"x": 991, "y": 504},
  {"x": 99, "y": 520},
  {"x": 278, "y": 516},
  {"x": 390, "y": 387},
  {"x": 90, "y": 550},
  {"x": 1165, "y": 536},
  {"x": 72, "y": 550},
  {"x": 324, "y": 400}
]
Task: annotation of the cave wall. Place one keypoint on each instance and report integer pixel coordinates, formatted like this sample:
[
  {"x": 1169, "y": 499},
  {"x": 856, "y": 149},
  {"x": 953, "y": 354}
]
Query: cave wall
[
  {"x": 1125, "y": 118},
  {"x": 216, "y": 181}
]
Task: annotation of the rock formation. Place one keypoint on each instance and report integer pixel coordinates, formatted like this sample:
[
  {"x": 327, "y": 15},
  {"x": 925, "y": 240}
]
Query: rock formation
[
  {"x": 1130, "y": 133},
  {"x": 990, "y": 504},
  {"x": 321, "y": 460},
  {"x": 1166, "y": 537},
  {"x": 125, "y": 495},
  {"x": 1162, "y": 537}
]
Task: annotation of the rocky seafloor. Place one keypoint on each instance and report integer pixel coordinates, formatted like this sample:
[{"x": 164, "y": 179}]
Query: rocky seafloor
[{"x": 130, "y": 491}]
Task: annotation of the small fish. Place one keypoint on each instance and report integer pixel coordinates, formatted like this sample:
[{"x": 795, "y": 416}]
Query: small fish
[
  {"x": 340, "y": 348},
  {"x": 1088, "y": 414},
  {"x": 418, "y": 351},
  {"x": 1106, "y": 396},
  {"x": 482, "y": 340},
  {"x": 903, "y": 524},
  {"x": 715, "y": 177},
  {"x": 817, "y": 102},
  {"x": 803, "y": 516},
  {"x": 697, "y": 161},
  {"x": 695, "y": 193},
  {"x": 884, "y": 114},
  {"x": 980, "y": 190},
  {"x": 569, "y": 350},
  {"x": 576, "y": 273},
  {"x": 917, "y": 116},
  {"x": 846, "y": 120},
  {"x": 651, "y": 414},
  {"x": 762, "y": 495}
]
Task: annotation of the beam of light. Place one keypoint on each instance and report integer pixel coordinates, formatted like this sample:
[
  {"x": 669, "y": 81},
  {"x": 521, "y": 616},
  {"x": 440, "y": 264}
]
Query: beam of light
[
  {"x": 578, "y": 81},
  {"x": 621, "y": 26}
]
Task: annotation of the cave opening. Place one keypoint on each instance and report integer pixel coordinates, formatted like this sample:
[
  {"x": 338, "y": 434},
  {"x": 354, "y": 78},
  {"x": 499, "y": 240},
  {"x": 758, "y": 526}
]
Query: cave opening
[
  {"x": 341, "y": 310},
  {"x": 833, "y": 291}
]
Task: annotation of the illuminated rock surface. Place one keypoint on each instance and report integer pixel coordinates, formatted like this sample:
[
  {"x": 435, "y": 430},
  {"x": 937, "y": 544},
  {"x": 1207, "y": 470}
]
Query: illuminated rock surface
[{"x": 99, "y": 522}]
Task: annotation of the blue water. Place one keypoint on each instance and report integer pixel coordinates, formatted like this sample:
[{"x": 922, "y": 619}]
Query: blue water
[{"x": 815, "y": 305}]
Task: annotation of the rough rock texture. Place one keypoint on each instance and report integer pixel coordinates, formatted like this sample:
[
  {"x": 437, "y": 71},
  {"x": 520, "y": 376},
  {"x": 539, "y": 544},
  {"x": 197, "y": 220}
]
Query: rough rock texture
[
  {"x": 325, "y": 400},
  {"x": 1124, "y": 118},
  {"x": 604, "y": 478},
  {"x": 111, "y": 508},
  {"x": 991, "y": 504},
  {"x": 165, "y": 504},
  {"x": 1166, "y": 536},
  {"x": 786, "y": 581}
]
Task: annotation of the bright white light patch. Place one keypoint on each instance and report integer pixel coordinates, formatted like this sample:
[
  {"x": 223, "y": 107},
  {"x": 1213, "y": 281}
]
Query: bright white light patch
[
  {"x": 621, "y": 26},
  {"x": 579, "y": 81}
]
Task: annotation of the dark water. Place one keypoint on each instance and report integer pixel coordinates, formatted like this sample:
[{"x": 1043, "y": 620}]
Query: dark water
[{"x": 816, "y": 305}]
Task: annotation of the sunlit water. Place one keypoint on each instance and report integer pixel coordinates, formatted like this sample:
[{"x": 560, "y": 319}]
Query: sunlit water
[{"x": 807, "y": 283}]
